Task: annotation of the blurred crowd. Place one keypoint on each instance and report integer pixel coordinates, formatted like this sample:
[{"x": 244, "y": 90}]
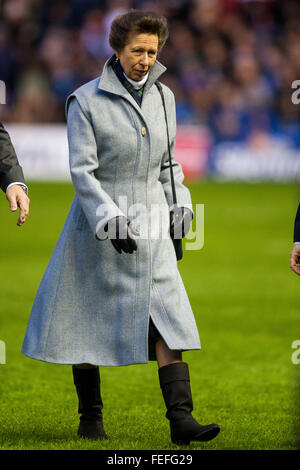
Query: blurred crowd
[{"x": 230, "y": 63}]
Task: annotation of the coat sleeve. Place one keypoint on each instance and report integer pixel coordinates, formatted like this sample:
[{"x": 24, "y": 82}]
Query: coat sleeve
[
  {"x": 297, "y": 226},
  {"x": 97, "y": 205},
  {"x": 182, "y": 192},
  {"x": 10, "y": 170}
]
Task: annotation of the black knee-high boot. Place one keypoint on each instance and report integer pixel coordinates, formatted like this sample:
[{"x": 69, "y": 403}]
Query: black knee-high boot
[
  {"x": 87, "y": 383},
  {"x": 175, "y": 384}
]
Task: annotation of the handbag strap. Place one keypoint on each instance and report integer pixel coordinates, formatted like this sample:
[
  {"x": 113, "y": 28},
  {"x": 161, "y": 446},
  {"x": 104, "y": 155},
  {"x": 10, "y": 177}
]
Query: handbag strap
[{"x": 169, "y": 149}]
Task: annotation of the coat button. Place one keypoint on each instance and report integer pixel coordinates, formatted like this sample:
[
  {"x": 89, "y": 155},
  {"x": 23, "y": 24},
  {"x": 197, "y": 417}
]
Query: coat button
[{"x": 144, "y": 132}]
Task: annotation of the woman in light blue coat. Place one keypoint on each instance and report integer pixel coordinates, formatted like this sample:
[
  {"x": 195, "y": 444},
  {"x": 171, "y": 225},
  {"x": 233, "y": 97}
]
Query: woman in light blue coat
[{"x": 112, "y": 294}]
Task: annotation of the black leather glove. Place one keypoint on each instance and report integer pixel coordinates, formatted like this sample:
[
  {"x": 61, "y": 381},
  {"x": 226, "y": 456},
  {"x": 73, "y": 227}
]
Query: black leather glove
[
  {"x": 180, "y": 222},
  {"x": 121, "y": 234}
]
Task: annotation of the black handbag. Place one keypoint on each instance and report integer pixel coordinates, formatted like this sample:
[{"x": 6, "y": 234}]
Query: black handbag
[{"x": 177, "y": 242}]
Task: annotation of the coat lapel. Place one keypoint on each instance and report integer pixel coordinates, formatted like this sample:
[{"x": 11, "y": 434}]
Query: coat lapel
[{"x": 110, "y": 83}]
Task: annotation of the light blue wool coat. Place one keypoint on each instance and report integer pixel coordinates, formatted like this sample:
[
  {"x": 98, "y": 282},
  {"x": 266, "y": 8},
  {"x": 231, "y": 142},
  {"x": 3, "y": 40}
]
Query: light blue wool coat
[{"x": 93, "y": 304}]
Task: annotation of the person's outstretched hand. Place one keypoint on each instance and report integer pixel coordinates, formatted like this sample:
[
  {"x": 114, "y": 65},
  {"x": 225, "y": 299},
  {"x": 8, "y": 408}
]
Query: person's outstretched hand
[
  {"x": 180, "y": 222},
  {"x": 121, "y": 234},
  {"x": 17, "y": 197},
  {"x": 295, "y": 259}
]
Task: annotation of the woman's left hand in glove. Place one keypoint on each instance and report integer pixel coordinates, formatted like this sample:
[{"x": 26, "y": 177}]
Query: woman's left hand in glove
[{"x": 180, "y": 222}]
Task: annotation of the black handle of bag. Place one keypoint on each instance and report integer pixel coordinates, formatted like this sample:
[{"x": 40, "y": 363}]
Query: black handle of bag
[
  {"x": 169, "y": 149},
  {"x": 176, "y": 242}
]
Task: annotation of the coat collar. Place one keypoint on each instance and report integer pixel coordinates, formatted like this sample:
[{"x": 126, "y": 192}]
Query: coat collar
[{"x": 108, "y": 81}]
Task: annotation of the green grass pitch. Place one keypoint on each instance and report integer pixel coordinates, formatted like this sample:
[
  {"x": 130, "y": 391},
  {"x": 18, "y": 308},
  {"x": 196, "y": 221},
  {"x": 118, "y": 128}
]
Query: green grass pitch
[{"x": 246, "y": 303}]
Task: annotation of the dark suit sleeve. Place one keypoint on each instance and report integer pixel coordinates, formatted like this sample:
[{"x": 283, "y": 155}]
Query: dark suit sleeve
[
  {"x": 297, "y": 226},
  {"x": 10, "y": 170}
]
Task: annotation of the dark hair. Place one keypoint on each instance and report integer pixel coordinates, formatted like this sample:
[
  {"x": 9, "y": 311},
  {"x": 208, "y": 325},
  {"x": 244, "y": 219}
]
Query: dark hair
[{"x": 137, "y": 22}]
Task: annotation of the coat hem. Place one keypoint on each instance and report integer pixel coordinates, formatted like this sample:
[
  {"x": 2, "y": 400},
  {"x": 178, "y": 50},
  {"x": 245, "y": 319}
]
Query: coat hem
[{"x": 55, "y": 361}]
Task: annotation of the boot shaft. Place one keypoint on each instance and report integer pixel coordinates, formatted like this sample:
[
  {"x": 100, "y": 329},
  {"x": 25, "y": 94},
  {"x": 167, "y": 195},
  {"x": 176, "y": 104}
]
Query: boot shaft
[
  {"x": 175, "y": 385},
  {"x": 87, "y": 383}
]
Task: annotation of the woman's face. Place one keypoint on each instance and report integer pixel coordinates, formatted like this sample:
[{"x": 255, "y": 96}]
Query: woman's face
[{"x": 139, "y": 55}]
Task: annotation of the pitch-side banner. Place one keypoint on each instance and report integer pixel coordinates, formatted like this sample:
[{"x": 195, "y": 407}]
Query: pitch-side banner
[
  {"x": 274, "y": 159},
  {"x": 43, "y": 153}
]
